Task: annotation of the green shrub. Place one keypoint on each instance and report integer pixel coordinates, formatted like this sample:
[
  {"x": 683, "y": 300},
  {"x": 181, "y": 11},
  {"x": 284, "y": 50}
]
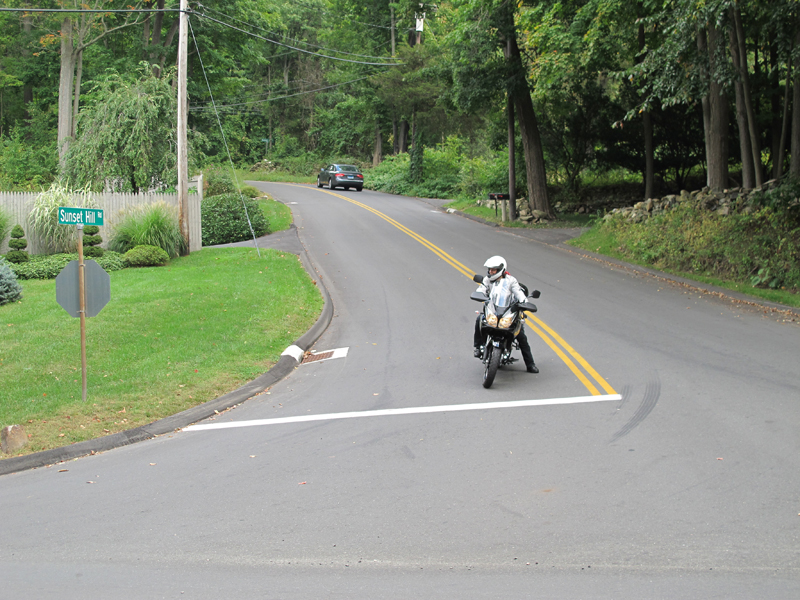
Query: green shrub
[
  {"x": 17, "y": 243},
  {"x": 48, "y": 266},
  {"x": 92, "y": 241},
  {"x": 154, "y": 224},
  {"x": 17, "y": 256},
  {"x": 146, "y": 256},
  {"x": 10, "y": 289},
  {"x": 225, "y": 221},
  {"x": 217, "y": 180},
  {"x": 251, "y": 192},
  {"x": 110, "y": 261},
  {"x": 43, "y": 219},
  {"x": 93, "y": 252}
]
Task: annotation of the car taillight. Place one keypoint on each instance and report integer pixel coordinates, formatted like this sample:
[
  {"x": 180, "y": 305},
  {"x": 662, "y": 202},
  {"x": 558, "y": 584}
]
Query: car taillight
[{"x": 359, "y": 175}]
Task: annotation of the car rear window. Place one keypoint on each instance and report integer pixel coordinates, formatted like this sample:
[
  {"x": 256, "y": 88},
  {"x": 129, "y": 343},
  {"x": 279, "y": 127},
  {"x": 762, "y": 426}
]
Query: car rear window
[{"x": 348, "y": 168}]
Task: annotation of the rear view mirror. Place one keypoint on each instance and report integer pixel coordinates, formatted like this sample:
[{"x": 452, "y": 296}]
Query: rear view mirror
[
  {"x": 477, "y": 278},
  {"x": 536, "y": 294}
]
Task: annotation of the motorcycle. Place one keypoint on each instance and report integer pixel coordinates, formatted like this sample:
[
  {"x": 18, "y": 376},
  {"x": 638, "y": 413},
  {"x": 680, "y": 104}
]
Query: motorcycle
[{"x": 500, "y": 322}]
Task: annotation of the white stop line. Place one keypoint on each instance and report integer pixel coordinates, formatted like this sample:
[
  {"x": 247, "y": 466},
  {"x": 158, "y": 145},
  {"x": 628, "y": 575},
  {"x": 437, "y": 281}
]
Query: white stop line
[{"x": 405, "y": 411}]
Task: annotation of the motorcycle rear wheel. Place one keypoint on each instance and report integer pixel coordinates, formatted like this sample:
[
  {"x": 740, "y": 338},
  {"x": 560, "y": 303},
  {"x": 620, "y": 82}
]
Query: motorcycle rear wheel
[{"x": 492, "y": 364}]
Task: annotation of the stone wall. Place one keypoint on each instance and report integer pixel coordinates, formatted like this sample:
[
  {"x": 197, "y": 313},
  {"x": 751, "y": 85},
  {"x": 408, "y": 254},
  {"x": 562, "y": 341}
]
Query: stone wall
[{"x": 723, "y": 202}]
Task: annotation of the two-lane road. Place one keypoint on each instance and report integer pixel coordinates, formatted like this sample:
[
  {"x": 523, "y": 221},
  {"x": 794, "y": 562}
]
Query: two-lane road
[{"x": 658, "y": 457}]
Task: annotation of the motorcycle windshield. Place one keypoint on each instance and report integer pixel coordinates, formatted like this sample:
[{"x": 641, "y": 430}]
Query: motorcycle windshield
[{"x": 501, "y": 295}]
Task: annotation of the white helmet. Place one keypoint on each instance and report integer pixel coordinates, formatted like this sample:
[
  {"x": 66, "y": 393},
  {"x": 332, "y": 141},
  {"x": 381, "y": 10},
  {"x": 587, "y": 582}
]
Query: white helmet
[{"x": 496, "y": 262}]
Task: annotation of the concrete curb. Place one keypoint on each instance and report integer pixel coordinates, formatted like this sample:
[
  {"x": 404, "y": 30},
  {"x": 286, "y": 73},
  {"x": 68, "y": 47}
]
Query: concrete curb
[{"x": 281, "y": 369}]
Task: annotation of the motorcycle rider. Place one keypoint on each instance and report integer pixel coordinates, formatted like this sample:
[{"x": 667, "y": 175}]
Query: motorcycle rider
[{"x": 497, "y": 270}]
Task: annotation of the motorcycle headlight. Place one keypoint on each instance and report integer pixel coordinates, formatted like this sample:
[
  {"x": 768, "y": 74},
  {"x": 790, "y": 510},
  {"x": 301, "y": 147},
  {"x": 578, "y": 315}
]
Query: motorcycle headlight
[
  {"x": 506, "y": 321},
  {"x": 491, "y": 320}
]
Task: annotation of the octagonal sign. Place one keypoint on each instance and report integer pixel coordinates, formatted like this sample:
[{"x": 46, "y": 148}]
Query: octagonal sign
[{"x": 98, "y": 288}]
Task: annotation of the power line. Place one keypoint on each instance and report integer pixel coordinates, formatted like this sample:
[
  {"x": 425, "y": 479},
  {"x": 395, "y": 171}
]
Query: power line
[
  {"x": 199, "y": 107},
  {"x": 294, "y": 40},
  {"x": 260, "y": 37},
  {"x": 89, "y": 10}
]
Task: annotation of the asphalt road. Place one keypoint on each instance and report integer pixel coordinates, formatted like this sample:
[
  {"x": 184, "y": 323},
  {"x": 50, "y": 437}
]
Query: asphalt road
[{"x": 661, "y": 459}]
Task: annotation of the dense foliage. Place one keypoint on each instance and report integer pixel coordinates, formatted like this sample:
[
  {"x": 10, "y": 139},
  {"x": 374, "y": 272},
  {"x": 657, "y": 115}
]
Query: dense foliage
[
  {"x": 759, "y": 244},
  {"x": 48, "y": 266},
  {"x": 228, "y": 218}
]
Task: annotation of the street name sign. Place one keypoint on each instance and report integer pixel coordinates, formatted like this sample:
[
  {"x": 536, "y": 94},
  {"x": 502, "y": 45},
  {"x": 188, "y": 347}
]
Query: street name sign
[{"x": 79, "y": 216}]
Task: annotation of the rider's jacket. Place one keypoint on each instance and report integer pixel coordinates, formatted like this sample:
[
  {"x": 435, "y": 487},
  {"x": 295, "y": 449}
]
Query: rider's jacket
[{"x": 507, "y": 280}]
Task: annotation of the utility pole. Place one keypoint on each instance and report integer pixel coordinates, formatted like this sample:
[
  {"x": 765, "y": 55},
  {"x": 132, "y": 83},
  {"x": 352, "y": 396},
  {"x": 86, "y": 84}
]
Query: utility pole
[
  {"x": 183, "y": 106},
  {"x": 420, "y": 23}
]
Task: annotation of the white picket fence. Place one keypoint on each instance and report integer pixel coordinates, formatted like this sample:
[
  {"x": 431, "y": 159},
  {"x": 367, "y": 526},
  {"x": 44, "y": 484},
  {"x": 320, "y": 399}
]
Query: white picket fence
[{"x": 20, "y": 204}]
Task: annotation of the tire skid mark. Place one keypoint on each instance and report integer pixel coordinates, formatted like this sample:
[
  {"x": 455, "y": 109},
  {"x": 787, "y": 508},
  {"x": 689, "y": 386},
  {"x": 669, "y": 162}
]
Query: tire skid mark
[{"x": 651, "y": 395}]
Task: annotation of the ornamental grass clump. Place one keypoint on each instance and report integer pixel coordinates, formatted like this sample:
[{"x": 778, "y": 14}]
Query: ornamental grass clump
[
  {"x": 43, "y": 219},
  {"x": 10, "y": 289},
  {"x": 154, "y": 224},
  {"x": 5, "y": 224}
]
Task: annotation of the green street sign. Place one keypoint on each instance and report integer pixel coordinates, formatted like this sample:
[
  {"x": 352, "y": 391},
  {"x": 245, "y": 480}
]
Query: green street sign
[{"x": 79, "y": 216}]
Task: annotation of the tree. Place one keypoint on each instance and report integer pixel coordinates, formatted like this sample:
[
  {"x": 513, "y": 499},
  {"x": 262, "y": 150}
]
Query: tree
[
  {"x": 77, "y": 32},
  {"x": 126, "y": 137},
  {"x": 488, "y": 66}
]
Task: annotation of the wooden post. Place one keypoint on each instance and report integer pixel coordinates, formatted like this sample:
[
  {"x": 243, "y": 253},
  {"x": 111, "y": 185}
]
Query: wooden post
[{"x": 183, "y": 105}]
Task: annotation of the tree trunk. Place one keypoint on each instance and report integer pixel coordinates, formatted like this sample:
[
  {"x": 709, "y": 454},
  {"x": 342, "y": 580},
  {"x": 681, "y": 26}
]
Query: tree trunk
[
  {"x": 416, "y": 166},
  {"x": 784, "y": 122},
  {"x": 402, "y": 143},
  {"x": 755, "y": 145},
  {"x": 702, "y": 47},
  {"x": 391, "y": 11},
  {"x": 718, "y": 121},
  {"x": 27, "y": 90},
  {"x": 529, "y": 128},
  {"x": 748, "y": 171},
  {"x": 65, "y": 88},
  {"x": 794, "y": 163},
  {"x": 167, "y": 43},
  {"x": 647, "y": 131},
  {"x": 146, "y": 37},
  {"x": 777, "y": 109},
  {"x": 512, "y": 174},
  {"x": 378, "y": 154},
  {"x": 76, "y": 97}
]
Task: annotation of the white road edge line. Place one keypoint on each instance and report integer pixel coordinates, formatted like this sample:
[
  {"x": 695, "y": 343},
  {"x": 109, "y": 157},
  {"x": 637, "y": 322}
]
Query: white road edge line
[{"x": 405, "y": 411}]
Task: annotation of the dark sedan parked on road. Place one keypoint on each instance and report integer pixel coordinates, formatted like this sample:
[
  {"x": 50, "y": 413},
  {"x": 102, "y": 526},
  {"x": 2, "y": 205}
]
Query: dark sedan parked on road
[{"x": 346, "y": 176}]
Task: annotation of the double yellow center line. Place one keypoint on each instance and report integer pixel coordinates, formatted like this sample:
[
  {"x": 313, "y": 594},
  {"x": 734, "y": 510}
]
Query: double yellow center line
[{"x": 564, "y": 351}]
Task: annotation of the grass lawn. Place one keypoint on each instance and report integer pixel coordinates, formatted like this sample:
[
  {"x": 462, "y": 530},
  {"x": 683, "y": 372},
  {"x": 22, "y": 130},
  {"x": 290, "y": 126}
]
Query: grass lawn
[
  {"x": 170, "y": 338},
  {"x": 276, "y": 176},
  {"x": 278, "y": 214}
]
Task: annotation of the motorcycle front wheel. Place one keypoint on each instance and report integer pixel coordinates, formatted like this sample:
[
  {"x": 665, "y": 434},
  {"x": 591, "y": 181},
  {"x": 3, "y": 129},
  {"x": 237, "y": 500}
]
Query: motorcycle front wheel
[{"x": 492, "y": 363}]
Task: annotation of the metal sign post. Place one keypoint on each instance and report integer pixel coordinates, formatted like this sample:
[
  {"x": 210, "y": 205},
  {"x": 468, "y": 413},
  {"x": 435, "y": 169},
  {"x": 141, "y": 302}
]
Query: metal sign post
[
  {"x": 65, "y": 290},
  {"x": 82, "y": 300}
]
